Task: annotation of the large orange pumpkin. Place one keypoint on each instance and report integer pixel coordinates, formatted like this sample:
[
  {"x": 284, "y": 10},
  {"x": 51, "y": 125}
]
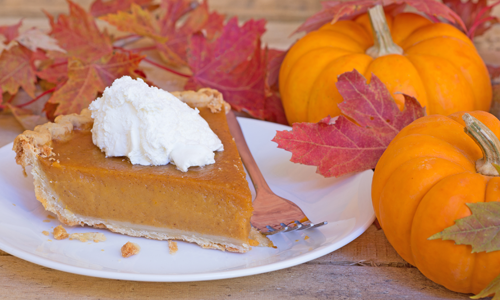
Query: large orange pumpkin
[
  {"x": 420, "y": 187},
  {"x": 436, "y": 63}
]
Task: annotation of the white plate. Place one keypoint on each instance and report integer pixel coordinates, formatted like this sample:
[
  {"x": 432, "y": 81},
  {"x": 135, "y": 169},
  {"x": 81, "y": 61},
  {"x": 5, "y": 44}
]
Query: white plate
[{"x": 345, "y": 203}]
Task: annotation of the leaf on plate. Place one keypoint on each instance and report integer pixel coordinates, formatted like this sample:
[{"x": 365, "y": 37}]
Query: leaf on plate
[
  {"x": 77, "y": 33},
  {"x": 481, "y": 230},
  {"x": 17, "y": 70},
  {"x": 475, "y": 14},
  {"x": 354, "y": 141},
  {"x": 10, "y": 32},
  {"x": 85, "y": 80},
  {"x": 492, "y": 288},
  {"x": 236, "y": 65},
  {"x": 99, "y": 7},
  {"x": 333, "y": 11}
]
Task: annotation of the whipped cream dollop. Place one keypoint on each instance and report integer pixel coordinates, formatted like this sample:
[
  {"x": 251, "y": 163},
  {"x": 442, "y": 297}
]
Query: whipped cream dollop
[{"x": 151, "y": 127}]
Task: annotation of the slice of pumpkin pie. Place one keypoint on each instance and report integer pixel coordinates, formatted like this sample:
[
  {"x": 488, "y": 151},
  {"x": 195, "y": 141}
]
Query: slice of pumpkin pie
[{"x": 209, "y": 205}]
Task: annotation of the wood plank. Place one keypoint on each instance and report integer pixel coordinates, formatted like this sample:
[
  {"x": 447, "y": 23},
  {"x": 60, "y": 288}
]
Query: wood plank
[
  {"x": 370, "y": 249},
  {"x": 300, "y": 282}
]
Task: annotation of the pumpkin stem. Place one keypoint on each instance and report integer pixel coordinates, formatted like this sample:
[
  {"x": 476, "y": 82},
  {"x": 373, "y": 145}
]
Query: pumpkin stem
[
  {"x": 384, "y": 45},
  {"x": 488, "y": 142}
]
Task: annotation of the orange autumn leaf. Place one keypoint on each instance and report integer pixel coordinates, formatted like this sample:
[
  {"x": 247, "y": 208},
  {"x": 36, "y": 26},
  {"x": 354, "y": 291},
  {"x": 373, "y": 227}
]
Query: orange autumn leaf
[
  {"x": 86, "y": 80},
  {"x": 138, "y": 21},
  {"x": 100, "y": 8},
  {"x": 78, "y": 34},
  {"x": 171, "y": 38},
  {"x": 17, "y": 70}
]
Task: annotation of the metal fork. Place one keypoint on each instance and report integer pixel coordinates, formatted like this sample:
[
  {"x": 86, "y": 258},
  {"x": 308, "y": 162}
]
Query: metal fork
[{"x": 272, "y": 214}]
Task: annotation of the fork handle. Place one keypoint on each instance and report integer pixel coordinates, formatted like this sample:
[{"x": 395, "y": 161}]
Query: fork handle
[{"x": 258, "y": 180}]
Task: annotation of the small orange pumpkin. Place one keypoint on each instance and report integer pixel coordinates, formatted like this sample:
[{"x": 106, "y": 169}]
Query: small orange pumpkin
[
  {"x": 420, "y": 187},
  {"x": 434, "y": 62}
]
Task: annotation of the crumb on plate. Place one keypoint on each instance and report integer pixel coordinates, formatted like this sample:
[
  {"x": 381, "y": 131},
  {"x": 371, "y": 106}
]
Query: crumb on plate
[
  {"x": 60, "y": 233},
  {"x": 88, "y": 236},
  {"x": 46, "y": 221},
  {"x": 130, "y": 249},
  {"x": 172, "y": 246},
  {"x": 46, "y": 233},
  {"x": 306, "y": 237},
  {"x": 51, "y": 217}
]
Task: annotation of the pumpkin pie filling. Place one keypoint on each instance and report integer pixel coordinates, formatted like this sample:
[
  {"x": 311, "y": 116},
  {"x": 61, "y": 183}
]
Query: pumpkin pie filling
[{"x": 208, "y": 205}]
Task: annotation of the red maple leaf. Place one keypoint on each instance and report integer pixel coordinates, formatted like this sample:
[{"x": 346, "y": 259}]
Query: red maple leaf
[
  {"x": 494, "y": 71},
  {"x": 78, "y": 34},
  {"x": 10, "y": 32},
  {"x": 236, "y": 65},
  {"x": 475, "y": 14},
  {"x": 353, "y": 142},
  {"x": 55, "y": 70},
  {"x": 85, "y": 80},
  {"x": 275, "y": 59},
  {"x": 100, "y": 8},
  {"x": 17, "y": 70},
  {"x": 337, "y": 10},
  {"x": 171, "y": 39}
]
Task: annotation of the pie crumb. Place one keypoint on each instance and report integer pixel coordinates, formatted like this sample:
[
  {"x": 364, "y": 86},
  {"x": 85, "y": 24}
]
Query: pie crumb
[
  {"x": 130, "y": 249},
  {"x": 88, "y": 236},
  {"x": 306, "y": 237},
  {"x": 60, "y": 233},
  {"x": 253, "y": 242},
  {"x": 172, "y": 246},
  {"x": 45, "y": 233},
  {"x": 13, "y": 204},
  {"x": 51, "y": 217},
  {"x": 49, "y": 240},
  {"x": 46, "y": 221}
]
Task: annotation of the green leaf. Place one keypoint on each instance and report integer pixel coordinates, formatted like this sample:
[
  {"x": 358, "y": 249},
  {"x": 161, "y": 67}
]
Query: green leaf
[
  {"x": 497, "y": 167},
  {"x": 481, "y": 230},
  {"x": 492, "y": 288}
]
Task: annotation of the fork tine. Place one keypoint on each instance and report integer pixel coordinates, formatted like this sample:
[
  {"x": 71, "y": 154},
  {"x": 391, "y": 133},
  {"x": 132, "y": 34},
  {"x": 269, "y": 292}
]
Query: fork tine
[
  {"x": 270, "y": 228},
  {"x": 298, "y": 226}
]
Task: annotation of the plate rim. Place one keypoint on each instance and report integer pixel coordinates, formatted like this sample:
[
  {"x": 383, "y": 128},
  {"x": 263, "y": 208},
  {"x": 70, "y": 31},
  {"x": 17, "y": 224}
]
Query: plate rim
[{"x": 206, "y": 276}]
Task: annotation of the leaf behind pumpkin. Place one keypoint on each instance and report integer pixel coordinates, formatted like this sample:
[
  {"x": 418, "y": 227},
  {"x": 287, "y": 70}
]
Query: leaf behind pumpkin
[{"x": 353, "y": 142}]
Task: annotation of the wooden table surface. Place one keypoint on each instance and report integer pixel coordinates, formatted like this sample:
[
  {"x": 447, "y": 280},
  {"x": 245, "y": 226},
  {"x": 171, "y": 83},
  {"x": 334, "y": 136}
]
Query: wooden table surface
[{"x": 367, "y": 268}]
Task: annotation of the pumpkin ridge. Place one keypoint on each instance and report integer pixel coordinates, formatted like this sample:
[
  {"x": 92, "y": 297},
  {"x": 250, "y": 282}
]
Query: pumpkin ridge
[
  {"x": 440, "y": 37},
  {"x": 435, "y": 29},
  {"x": 388, "y": 162},
  {"x": 296, "y": 88},
  {"x": 471, "y": 159},
  {"x": 455, "y": 94},
  {"x": 400, "y": 21},
  {"x": 379, "y": 65},
  {"x": 420, "y": 165},
  {"x": 324, "y": 85},
  {"x": 447, "y": 201}
]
